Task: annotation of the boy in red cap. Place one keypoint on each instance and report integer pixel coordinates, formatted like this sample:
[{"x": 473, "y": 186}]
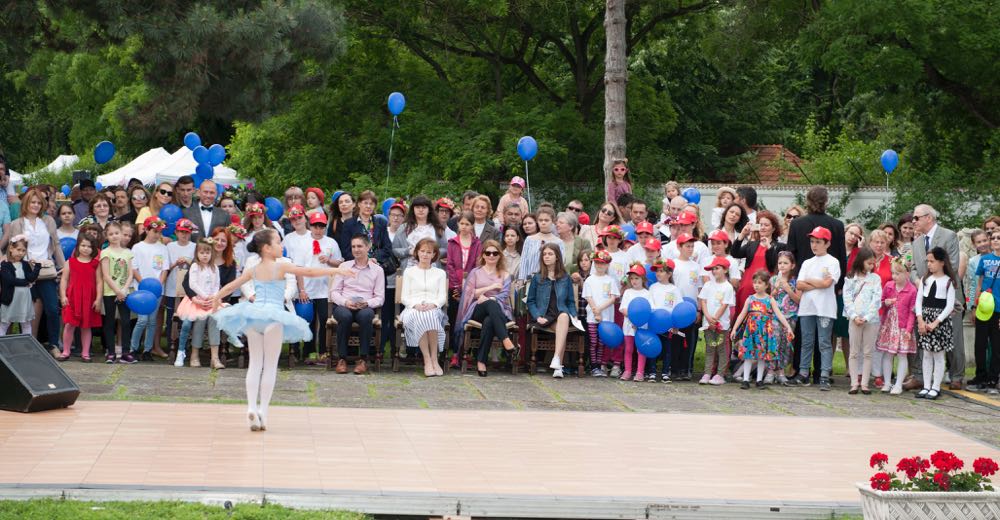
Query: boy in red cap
[
  {"x": 817, "y": 308},
  {"x": 664, "y": 295},
  {"x": 688, "y": 277},
  {"x": 716, "y": 299},
  {"x": 180, "y": 254},
  {"x": 637, "y": 252},
  {"x": 600, "y": 291},
  {"x": 684, "y": 225}
]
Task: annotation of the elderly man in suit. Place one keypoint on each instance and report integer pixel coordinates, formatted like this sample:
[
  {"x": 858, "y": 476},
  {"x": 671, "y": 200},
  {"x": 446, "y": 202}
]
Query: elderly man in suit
[
  {"x": 928, "y": 236},
  {"x": 204, "y": 212}
]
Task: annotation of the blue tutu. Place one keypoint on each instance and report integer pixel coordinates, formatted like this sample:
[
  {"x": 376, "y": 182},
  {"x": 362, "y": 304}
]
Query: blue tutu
[{"x": 266, "y": 310}]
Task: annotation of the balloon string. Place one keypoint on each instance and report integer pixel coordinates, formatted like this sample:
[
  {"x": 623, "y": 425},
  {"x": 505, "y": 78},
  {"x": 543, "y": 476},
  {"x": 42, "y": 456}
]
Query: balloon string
[
  {"x": 388, "y": 166},
  {"x": 527, "y": 181}
]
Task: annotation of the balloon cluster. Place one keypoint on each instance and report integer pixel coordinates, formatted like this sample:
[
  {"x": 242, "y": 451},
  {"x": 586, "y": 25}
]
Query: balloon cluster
[
  {"x": 657, "y": 321},
  {"x": 207, "y": 158}
]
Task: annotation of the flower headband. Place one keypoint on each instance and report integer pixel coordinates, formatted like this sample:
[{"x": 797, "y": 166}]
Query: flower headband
[{"x": 237, "y": 231}]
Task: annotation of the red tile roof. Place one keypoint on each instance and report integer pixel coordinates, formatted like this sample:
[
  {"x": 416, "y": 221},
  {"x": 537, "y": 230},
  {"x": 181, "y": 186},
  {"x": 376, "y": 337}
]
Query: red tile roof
[{"x": 775, "y": 164}]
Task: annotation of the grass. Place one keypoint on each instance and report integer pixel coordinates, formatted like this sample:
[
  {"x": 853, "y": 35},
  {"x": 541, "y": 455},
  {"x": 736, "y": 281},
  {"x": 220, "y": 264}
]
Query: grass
[{"x": 50, "y": 509}]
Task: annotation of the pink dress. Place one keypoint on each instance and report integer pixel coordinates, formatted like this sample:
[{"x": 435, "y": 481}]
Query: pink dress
[
  {"x": 896, "y": 333},
  {"x": 205, "y": 283}
]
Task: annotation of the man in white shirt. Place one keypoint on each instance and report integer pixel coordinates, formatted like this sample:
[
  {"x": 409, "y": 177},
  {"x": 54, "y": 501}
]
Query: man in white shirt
[{"x": 205, "y": 214}]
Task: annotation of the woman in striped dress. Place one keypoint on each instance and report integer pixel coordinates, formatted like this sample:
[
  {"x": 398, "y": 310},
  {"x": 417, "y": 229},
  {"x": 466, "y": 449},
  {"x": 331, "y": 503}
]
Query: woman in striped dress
[{"x": 425, "y": 294}]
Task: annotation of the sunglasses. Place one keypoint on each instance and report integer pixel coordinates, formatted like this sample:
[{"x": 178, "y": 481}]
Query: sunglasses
[
  {"x": 608, "y": 212},
  {"x": 166, "y": 192},
  {"x": 619, "y": 169},
  {"x": 491, "y": 253},
  {"x": 917, "y": 217},
  {"x": 791, "y": 217},
  {"x": 571, "y": 208}
]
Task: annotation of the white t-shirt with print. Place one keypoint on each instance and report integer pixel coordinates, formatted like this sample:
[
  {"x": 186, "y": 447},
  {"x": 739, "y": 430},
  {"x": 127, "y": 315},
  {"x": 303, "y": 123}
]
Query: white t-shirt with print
[
  {"x": 664, "y": 296},
  {"x": 715, "y": 295},
  {"x": 688, "y": 277},
  {"x": 618, "y": 266},
  {"x": 150, "y": 260},
  {"x": 819, "y": 302},
  {"x": 600, "y": 289},
  {"x": 175, "y": 251},
  {"x": 630, "y": 294}
]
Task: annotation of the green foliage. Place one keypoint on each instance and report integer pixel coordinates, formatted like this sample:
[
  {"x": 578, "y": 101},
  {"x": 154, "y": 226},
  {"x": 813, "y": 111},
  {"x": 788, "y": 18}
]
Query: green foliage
[{"x": 74, "y": 510}]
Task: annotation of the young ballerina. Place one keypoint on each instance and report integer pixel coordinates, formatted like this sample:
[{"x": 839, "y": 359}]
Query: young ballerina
[
  {"x": 935, "y": 303},
  {"x": 896, "y": 335},
  {"x": 16, "y": 277},
  {"x": 760, "y": 340},
  {"x": 784, "y": 292},
  {"x": 118, "y": 273},
  {"x": 636, "y": 289},
  {"x": 79, "y": 296},
  {"x": 265, "y": 321},
  {"x": 203, "y": 278}
]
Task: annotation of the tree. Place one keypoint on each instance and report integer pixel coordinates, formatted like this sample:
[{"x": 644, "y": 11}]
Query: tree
[{"x": 615, "y": 78}]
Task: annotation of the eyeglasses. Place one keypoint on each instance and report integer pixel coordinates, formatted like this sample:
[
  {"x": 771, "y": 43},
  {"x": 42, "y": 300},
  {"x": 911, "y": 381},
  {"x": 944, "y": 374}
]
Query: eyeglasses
[
  {"x": 791, "y": 217},
  {"x": 619, "y": 169},
  {"x": 491, "y": 253},
  {"x": 918, "y": 217},
  {"x": 166, "y": 192},
  {"x": 608, "y": 212},
  {"x": 572, "y": 208},
  {"x": 138, "y": 197}
]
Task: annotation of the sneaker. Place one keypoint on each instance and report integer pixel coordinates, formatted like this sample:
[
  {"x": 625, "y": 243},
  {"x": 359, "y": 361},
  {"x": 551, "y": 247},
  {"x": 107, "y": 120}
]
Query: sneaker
[
  {"x": 665, "y": 378},
  {"x": 616, "y": 371},
  {"x": 992, "y": 391},
  {"x": 556, "y": 363},
  {"x": 887, "y": 388},
  {"x": 147, "y": 356},
  {"x": 626, "y": 376},
  {"x": 782, "y": 380},
  {"x": 127, "y": 359},
  {"x": 800, "y": 380},
  {"x": 717, "y": 380},
  {"x": 824, "y": 384},
  {"x": 181, "y": 356},
  {"x": 638, "y": 378},
  {"x": 704, "y": 379},
  {"x": 109, "y": 359},
  {"x": 557, "y": 373},
  {"x": 604, "y": 372},
  {"x": 769, "y": 378},
  {"x": 686, "y": 376},
  {"x": 596, "y": 372},
  {"x": 745, "y": 385},
  {"x": 896, "y": 390},
  {"x": 760, "y": 384}
]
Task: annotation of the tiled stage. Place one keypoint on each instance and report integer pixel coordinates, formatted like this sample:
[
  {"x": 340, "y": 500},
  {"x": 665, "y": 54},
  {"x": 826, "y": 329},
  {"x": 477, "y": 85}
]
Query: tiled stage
[{"x": 422, "y": 453}]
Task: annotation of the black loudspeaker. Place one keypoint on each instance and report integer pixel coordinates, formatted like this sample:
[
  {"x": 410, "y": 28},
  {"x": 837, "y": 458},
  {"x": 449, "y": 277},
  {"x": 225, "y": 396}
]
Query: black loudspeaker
[{"x": 30, "y": 379}]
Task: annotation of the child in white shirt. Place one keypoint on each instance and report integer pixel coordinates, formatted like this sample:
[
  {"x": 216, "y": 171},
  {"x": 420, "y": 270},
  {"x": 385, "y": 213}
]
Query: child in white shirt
[
  {"x": 600, "y": 290},
  {"x": 664, "y": 295},
  {"x": 716, "y": 299},
  {"x": 636, "y": 289},
  {"x": 817, "y": 308}
]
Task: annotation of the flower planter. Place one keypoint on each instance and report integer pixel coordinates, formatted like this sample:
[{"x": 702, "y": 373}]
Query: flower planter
[{"x": 927, "y": 505}]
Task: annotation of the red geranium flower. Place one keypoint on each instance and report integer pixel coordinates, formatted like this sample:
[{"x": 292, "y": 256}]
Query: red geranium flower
[
  {"x": 946, "y": 461},
  {"x": 910, "y": 466},
  {"x": 878, "y": 459},
  {"x": 881, "y": 481},
  {"x": 942, "y": 481},
  {"x": 985, "y": 466}
]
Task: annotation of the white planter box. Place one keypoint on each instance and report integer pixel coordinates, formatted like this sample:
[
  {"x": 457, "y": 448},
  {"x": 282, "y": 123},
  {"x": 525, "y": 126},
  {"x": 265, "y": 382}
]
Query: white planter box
[{"x": 919, "y": 505}]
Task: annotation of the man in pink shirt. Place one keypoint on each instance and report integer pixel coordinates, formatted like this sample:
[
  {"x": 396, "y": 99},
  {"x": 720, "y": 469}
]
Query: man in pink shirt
[{"x": 356, "y": 300}]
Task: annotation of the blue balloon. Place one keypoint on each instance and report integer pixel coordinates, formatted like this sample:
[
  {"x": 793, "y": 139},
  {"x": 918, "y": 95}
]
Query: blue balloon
[
  {"x": 692, "y": 301},
  {"x": 24, "y": 189},
  {"x": 104, "y": 151},
  {"x": 152, "y": 285},
  {"x": 304, "y": 309},
  {"x": 639, "y": 311},
  {"x": 284, "y": 252},
  {"x": 647, "y": 343},
  {"x": 170, "y": 213},
  {"x": 274, "y": 208},
  {"x": 192, "y": 140},
  {"x": 216, "y": 154},
  {"x": 650, "y": 275},
  {"x": 692, "y": 195},
  {"x": 397, "y": 102},
  {"x": 99, "y": 186},
  {"x": 684, "y": 315},
  {"x": 661, "y": 321},
  {"x": 610, "y": 333},
  {"x": 198, "y": 179},
  {"x": 68, "y": 244},
  {"x": 141, "y": 302},
  {"x": 205, "y": 171},
  {"x": 65, "y": 189},
  {"x": 200, "y": 155},
  {"x": 527, "y": 147},
  {"x": 629, "y": 230},
  {"x": 890, "y": 159},
  {"x": 382, "y": 218},
  {"x": 386, "y": 204},
  {"x": 170, "y": 230}
]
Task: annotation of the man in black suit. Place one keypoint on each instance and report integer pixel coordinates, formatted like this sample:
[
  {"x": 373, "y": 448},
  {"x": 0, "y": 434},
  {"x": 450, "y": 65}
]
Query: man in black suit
[
  {"x": 204, "y": 213},
  {"x": 798, "y": 243}
]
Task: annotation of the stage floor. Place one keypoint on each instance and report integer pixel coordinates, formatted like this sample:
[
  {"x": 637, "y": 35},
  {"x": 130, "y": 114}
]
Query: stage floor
[{"x": 452, "y": 453}]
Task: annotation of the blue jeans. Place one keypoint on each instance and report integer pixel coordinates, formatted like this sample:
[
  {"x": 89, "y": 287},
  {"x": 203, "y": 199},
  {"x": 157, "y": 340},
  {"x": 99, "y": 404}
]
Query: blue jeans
[
  {"x": 816, "y": 328},
  {"x": 145, "y": 323},
  {"x": 48, "y": 292},
  {"x": 196, "y": 331}
]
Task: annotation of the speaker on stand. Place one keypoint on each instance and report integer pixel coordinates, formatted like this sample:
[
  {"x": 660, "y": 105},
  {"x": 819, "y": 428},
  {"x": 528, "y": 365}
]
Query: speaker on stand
[{"x": 30, "y": 379}]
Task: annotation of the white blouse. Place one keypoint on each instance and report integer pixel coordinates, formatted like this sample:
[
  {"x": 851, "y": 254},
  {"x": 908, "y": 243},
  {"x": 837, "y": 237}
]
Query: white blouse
[
  {"x": 424, "y": 286},
  {"x": 945, "y": 290},
  {"x": 38, "y": 239},
  {"x": 204, "y": 281}
]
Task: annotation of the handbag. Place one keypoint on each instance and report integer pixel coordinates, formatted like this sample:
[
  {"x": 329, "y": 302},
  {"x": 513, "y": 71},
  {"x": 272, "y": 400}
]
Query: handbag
[
  {"x": 48, "y": 271},
  {"x": 389, "y": 265}
]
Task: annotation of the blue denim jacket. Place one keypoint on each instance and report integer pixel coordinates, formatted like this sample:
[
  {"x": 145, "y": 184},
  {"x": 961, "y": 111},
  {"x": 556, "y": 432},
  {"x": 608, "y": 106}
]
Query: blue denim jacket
[{"x": 541, "y": 289}]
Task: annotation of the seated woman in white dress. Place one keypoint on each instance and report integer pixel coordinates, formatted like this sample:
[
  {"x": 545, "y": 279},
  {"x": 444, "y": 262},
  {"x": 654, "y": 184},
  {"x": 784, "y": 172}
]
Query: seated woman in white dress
[{"x": 425, "y": 293}]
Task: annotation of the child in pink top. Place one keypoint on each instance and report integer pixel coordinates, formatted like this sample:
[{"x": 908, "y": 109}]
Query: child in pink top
[
  {"x": 896, "y": 335},
  {"x": 621, "y": 181},
  {"x": 513, "y": 196}
]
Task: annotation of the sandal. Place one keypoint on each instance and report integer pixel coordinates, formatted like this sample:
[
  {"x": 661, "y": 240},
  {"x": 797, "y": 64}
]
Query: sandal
[
  {"x": 62, "y": 357},
  {"x": 853, "y": 391},
  {"x": 866, "y": 391},
  {"x": 85, "y": 359}
]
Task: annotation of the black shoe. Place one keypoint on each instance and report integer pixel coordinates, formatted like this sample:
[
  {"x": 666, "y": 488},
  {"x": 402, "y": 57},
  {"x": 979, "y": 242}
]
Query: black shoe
[
  {"x": 760, "y": 385},
  {"x": 922, "y": 394},
  {"x": 932, "y": 395},
  {"x": 824, "y": 384},
  {"x": 146, "y": 356},
  {"x": 745, "y": 385},
  {"x": 977, "y": 384},
  {"x": 800, "y": 380},
  {"x": 482, "y": 373}
]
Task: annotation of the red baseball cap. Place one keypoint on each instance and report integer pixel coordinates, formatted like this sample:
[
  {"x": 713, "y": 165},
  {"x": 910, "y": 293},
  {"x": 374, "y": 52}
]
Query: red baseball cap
[
  {"x": 644, "y": 227},
  {"x": 719, "y": 235},
  {"x": 317, "y": 217},
  {"x": 684, "y": 238},
  {"x": 637, "y": 269},
  {"x": 400, "y": 205},
  {"x": 686, "y": 218},
  {"x": 652, "y": 244},
  {"x": 296, "y": 211},
  {"x": 602, "y": 257},
  {"x": 659, "y": 264},
  {"x": 718, "y": 261},
  {"x": 821, "y": 233},
  {"x": 185, "y": 225}
]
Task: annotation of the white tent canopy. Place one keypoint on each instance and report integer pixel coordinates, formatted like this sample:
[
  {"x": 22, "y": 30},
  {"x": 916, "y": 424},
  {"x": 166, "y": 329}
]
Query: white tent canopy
[
  {"x": 182, "y": 163},
  {"x": 16, "y": 179},
  {"x": 61, "y": 162},
  {"x": 143, "y": 168}
]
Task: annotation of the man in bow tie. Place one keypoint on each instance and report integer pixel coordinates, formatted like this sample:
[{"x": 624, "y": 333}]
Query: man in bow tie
[{"x": 204, "y": 212}]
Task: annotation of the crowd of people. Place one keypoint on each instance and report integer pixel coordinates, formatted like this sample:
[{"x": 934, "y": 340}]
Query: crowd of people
[{"x": 775, "y": 295}]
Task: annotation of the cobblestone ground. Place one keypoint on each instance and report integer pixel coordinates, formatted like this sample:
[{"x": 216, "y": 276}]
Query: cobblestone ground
[{"x": 313, "y": 386}]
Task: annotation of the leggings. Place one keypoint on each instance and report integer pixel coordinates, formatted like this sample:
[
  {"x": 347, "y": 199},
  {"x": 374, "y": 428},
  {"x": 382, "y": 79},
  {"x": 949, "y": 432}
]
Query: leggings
[
  {"x": 264, "y": 348},
  {"x": 111, "y": 307},
  {"x": 933, "y": 363},
  {"x": 491, "y": 315},
  {"x": 630, "y": 350},
  {"x": 900, "y": 368},
  {"x": 25, "y": 327},
  {"x": 596, "y": 346},
  {"x": 321, "y": 311}
]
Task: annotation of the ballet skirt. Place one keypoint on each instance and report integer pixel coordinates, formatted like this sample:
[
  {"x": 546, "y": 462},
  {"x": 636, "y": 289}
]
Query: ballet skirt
[{"x": 268, "y": 307}]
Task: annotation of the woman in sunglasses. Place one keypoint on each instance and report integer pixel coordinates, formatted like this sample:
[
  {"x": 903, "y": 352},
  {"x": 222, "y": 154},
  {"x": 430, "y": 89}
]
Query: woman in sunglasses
[
  {"x": 486, "y": 299},
  {"x": 793, "y": 212},
  {"x": 162, "y": 195},
  {"x": 606, "y": 216}
]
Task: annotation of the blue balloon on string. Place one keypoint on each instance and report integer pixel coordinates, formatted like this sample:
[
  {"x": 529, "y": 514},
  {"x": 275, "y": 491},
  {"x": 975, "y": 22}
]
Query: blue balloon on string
[
  {"x": 629, "y": 230},
  {"x": 170, "y": 213},
  {"x": 684, "y": 315},
  {"x": 152, "y": 285},
  {"x": 610, "y": 333},
  {"x": 650, "y": 274},
  {"x": 639, "y": 311},
  {"x": 527, "y": 147},
  {"x": 304, "y": 309},
  {"x": 192, "y": 140},
  {"x": 99, "y": 186},
  {"x": 200, "y": 154},
  {"x": 692, "y": 301},
  {"x": 198, "y": 179},
  {"x": 387, "y": 204},
  {"x": 216, "y": 154},
  {"x": 104, "y": 151},
  {"x": 661, "y": 321},
  {"x": 889, "y": 159},
  {"x": 648, "y": 343},
  {"x": 65, "y": 190},
  {"x": 397, "y": 102},
  {"x": 205, "y": 171},
  {"x": 141, "y": 302},
  {"x": 692, "y": 195},
  {"x": 274, "y": 208},
  {"x": 68, "y": 244}
]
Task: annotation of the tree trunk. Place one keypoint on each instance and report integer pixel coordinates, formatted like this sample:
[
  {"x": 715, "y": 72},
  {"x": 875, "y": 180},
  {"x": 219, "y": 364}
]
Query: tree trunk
[{"x": 615, "y": 79}]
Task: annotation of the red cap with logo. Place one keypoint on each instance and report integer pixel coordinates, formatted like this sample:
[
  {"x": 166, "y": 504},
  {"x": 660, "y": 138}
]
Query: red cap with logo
[
  {"x": 652, "y": 244},
  {"x": 718, "y": 261},
  {"x": 821, "y": 233},
  {"x": 317, "y": 217},
  {"x": 684, "y": 238},
  {"x": 644, "y": 227},
  {"x": 719, "y": 235}
]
